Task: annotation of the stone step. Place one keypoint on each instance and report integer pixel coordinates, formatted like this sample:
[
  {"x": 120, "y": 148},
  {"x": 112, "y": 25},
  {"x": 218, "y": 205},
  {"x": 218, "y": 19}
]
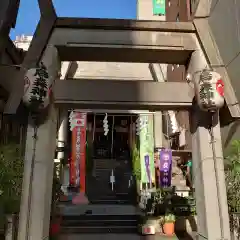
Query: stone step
[
  {"x": 89, "y": 223},
  {"x": 99, "y": 219},
  {"x": 107, "y": 163},
  {"x": 111, "y": 201},
  {"x": 100, "y": 230}
]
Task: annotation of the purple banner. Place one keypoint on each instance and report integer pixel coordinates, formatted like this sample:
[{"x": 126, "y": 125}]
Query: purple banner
[{"x": 165, "y": 167}]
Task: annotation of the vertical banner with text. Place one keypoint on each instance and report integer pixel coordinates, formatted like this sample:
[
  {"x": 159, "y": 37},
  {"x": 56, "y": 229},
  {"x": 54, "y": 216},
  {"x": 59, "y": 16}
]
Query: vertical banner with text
[
  {"x": 78, "y": 122},
  {"x": 165, "y": 167},
  {"x": 147, "y": 149}
]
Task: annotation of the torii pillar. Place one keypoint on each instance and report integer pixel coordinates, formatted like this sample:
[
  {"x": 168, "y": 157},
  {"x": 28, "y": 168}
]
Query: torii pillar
[
  {"x": 38, "y": 168},
  {"x": 208, "y": 169}
]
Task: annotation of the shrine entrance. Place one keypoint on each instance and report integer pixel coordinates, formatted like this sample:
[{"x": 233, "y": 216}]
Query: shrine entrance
[
  {"x": 69, "y": 39},
  {"x": 109, "y": 176}
]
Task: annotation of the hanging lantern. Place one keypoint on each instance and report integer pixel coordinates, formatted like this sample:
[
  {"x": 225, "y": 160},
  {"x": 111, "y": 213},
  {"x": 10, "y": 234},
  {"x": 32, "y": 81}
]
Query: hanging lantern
[
  {"x": 209, "y": 90},
  {"x": 37, "y": 88}
]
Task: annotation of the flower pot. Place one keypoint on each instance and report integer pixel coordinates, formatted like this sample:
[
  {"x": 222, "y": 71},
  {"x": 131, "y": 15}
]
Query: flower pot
[
  {"x": 168, "y": 228},
  {"x": 148, "y": 227}
]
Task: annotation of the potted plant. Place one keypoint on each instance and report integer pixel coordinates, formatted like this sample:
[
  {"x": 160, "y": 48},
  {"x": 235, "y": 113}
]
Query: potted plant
[
  {"x": 149, "y": 224},
  {"x": 147, "y": 221},
  {"x": 153, "y": 213},
  {"x": 169, "y": 224}
]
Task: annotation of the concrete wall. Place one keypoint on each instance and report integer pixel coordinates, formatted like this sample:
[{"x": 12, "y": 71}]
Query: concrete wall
[
  {"x": 131, "y": 71},
  {"x": 225, "y": 24},
  {"x": 224, "y": 21},
  {"x": 112, "y": 70}
]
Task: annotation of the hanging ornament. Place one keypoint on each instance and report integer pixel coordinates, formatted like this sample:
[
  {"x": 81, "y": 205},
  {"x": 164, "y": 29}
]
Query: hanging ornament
[
  {"x": 105, "y": 125},
  {"x": 209, "y": 89},
  {"x": 138, "y": 125},
  {"x": 141, "y": 122},
  {"x": 37, "y": 88}
]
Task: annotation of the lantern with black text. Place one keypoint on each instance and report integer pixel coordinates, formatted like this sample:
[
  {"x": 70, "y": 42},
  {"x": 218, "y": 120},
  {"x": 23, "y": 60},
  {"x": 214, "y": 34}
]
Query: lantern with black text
[
  {"x": 37, "y": 88},
  {"x": 209, "y": 90}
]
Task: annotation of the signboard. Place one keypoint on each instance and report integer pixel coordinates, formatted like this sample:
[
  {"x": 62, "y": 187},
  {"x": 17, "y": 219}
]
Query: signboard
[
  {"x": 159, "y": 7},
  {"x": 78, "y": 122},
  {"x": 147, "y": 150},
  {"x": 165, "y": 167}
]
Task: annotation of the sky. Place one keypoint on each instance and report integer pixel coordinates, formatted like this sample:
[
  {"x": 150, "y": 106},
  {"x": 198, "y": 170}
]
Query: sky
[{"x": 29, "y": 14}]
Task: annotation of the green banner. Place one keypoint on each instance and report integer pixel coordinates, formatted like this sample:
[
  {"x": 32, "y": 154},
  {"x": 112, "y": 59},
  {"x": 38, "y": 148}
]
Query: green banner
[
  {"x": 147, "y": 149},
  {"x": 159, "y": 7}
]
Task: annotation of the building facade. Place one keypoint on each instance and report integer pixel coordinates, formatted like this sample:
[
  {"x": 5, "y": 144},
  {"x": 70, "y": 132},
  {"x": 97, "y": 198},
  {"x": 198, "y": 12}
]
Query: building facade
[
  {"x": 12, "y": 129},
  {"x": 228, "y": 44}
]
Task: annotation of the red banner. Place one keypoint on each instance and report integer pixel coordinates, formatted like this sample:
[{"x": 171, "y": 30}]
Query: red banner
[{"x": 78, "y": 123}]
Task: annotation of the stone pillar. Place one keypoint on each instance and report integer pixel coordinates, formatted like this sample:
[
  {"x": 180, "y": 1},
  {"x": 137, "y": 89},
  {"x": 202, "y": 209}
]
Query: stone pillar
[
  {"x": 63, "y": 129},
  {"x": 37, "y": 183},
  {"x": 38, "y": 168},
  {"x": 209, "y": 179},
  {"x": 208, "y": 169},
  {"x": 62, "y": 140}
]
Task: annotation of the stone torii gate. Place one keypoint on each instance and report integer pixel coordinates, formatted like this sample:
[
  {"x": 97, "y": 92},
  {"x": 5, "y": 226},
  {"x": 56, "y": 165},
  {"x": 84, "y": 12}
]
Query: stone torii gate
[{"x": 75, "y": 39}]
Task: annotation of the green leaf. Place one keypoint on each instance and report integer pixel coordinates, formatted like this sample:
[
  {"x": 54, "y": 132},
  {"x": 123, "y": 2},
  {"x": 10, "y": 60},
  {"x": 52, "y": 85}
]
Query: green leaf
[
  {"x": 11, "y": 173},
  {"x": 136, "y": 163}
]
